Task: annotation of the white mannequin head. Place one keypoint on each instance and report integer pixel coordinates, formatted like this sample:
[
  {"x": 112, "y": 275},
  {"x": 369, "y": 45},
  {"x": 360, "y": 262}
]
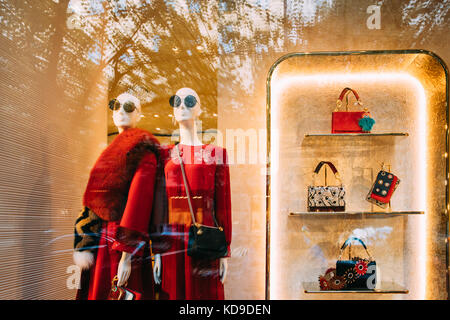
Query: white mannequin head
[
  {"x": 184, "y": 114},
  {"x": 122, "y": 119}
]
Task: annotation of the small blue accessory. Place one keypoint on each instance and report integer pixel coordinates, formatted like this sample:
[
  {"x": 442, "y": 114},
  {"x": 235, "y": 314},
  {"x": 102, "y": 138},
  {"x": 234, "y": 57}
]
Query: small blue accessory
[{"x": 366, "y": 122}]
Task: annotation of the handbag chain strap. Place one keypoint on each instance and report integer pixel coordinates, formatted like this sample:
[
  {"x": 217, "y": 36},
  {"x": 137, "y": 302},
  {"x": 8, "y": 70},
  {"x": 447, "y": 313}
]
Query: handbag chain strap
[
  {"x": 186, "y": 187},
  {"x": 349, "y": 248}
]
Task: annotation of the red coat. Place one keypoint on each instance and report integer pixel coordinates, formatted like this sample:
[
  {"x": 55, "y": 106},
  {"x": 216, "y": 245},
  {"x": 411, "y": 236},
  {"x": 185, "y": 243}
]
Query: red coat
[
  {"x": 129, "y": 230},
  {"x": 208, "y": 176}
]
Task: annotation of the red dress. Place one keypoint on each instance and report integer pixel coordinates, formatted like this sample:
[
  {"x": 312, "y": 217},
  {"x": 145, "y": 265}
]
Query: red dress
[
  {"x": 121, "y": 236},
  {"x": 208, "y": 177}
]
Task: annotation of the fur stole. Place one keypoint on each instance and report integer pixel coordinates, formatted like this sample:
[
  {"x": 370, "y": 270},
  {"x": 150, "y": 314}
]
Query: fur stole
[{"x": 107, "y": 189}]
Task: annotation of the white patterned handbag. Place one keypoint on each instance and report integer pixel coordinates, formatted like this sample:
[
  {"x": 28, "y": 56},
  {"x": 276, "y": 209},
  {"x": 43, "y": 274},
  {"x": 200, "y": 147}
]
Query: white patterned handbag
[{"x": 326, "y": 198}]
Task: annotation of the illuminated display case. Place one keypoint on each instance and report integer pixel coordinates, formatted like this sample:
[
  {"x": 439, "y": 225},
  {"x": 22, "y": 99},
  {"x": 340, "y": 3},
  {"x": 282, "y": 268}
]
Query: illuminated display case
[{"x": 407, "y": 94}]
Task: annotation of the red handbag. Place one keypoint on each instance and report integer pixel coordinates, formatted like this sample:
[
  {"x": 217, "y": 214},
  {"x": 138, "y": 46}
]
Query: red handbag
[{"x": 347, "y": 121}]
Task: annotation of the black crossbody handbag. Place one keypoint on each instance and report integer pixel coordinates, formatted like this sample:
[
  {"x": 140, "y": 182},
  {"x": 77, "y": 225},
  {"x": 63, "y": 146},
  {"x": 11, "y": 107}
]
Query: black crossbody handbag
[{"x": 205, "y": 242}]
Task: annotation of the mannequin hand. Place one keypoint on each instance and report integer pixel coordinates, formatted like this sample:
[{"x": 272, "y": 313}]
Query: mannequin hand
[
  {"x": 223, "y": 269},
  {"x": 124, "y": 269},
  {"x": 157, "y": 269}
]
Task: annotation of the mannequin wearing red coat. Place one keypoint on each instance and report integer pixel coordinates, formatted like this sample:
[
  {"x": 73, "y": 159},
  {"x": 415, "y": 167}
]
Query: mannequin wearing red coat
[
  {"x": 119, "y": 201},
  {"x": 207, "y": 173},
  {"x": 183, "y": 277}
]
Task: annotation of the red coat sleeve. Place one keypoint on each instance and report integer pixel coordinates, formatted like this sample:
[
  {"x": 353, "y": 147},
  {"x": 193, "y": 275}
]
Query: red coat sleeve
[
  {"x": 132, "y": 233},
  {"x": 223, "y": 194},
  {"x": 159, "y": 234}
]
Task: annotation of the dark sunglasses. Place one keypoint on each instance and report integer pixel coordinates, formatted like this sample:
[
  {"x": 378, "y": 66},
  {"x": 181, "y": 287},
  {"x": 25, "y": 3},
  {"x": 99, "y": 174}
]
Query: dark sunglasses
[
  {"x": 128, "y": 106},
  {"x": 189, "y": 101}
]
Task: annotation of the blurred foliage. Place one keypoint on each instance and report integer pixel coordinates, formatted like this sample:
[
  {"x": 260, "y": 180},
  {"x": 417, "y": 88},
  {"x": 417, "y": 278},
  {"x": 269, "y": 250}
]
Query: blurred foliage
[{"x": 153, "y": 48}]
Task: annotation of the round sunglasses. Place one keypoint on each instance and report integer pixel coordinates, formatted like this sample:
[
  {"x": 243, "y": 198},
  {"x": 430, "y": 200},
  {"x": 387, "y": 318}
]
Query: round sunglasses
[
  {"x": 128, "y": 106},
  {"x": 189, "y": 101}
]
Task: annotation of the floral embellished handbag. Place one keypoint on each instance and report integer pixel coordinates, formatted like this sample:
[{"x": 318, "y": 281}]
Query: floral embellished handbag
[
  {"x": 353, "y": 274},
  {"x": 326, "y": 198},
  {"x": 350, "y": 121}
]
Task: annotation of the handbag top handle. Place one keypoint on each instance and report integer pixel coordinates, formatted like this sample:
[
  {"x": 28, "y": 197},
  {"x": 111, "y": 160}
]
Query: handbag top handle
[
  {"x": 344, "y": 94},
  {"x": 186, "y": 187},
  {"x": 348, "y": 243},
  {"x": 332, "y": 167}
]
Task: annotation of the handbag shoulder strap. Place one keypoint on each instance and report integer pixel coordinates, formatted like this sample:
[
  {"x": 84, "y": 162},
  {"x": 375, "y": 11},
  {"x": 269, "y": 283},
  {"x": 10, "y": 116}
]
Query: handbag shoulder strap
[{"x": 186, "y": 187}]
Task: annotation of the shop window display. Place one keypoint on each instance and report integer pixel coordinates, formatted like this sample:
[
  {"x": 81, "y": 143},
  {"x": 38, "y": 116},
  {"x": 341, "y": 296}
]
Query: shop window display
[{"x": 300, "y": 125}]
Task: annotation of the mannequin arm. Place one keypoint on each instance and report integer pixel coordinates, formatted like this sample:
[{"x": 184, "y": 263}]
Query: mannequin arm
[
  {"x": 223, "y": 269},
  {"x": 157, "y": 269},
  {"x": 124, "y": 269}
]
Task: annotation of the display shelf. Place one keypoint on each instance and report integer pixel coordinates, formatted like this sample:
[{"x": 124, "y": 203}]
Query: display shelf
[
  {"x": 386, "y": 134},
  {"x": 355, "y": 213},
  {"x": 385, "y": 287},
  {"x": 301, "y": 88}
]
